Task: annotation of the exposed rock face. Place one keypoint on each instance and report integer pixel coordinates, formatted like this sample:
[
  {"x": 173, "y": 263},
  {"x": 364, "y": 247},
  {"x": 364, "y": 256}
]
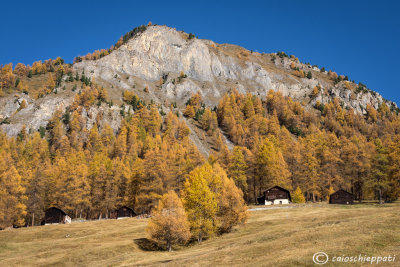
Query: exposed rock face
[
  {"x": 156, "y": 51},
  {"x": 157, "y": 57},
  {"x": 211, "y": 69},
  {"x": 36, "y": 114}
]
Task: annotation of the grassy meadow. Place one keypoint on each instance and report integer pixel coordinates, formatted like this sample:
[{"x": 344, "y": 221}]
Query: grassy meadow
[{"x": 275, "y": 237}]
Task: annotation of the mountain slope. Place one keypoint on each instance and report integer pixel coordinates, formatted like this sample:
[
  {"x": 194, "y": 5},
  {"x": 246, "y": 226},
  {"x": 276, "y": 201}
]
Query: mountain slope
[
  {"x": 166, "y": 66},
  {"x": 212, "y": 69}
]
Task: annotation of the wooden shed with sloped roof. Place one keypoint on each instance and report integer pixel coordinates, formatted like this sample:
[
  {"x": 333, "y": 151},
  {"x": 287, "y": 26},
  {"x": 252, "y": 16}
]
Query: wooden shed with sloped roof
[
  {"x": 123, "y": 212},
  {"x": 275, "y": 195},
  {"x": 341, "y": 197},
  {"x": 55, "y": 215}
]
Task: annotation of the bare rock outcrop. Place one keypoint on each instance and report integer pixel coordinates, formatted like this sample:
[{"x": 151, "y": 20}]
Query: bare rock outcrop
[{"x": 172, "y": 66}]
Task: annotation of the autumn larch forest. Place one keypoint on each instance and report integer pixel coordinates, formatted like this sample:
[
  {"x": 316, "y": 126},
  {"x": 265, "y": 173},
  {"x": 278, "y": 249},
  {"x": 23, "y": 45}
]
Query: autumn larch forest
[{"x": 151, "y": 162}]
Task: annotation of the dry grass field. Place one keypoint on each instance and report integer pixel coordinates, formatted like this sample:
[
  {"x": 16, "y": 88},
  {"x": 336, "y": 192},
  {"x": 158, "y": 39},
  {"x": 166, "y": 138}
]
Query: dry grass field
[{"x": 276, "y": 237}]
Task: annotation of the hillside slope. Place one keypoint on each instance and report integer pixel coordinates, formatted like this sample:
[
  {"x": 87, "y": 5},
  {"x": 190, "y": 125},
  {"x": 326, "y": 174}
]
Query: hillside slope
[{"x": 334, "y": 230}]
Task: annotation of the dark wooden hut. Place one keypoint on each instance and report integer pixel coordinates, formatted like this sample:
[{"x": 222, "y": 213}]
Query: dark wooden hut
[
  {"x": 275, "y": 195},
  {"x": 55, "y": 215},
  {"x": 341, "y": 197},
  {"x": 123, "y": 212}
]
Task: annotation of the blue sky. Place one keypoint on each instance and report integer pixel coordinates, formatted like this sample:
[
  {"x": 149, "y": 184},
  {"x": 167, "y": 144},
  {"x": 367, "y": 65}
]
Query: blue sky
[{"x": 360, "y": 39}]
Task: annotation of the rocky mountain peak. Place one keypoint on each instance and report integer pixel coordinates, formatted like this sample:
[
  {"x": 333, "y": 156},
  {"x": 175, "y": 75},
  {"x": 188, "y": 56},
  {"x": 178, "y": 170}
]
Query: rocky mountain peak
[
  {"x": 164, "y": 66},
  {"x": 213, "y": 69}
]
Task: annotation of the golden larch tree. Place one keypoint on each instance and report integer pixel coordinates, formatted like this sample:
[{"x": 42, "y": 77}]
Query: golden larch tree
[{"x": 169, "y": 223}]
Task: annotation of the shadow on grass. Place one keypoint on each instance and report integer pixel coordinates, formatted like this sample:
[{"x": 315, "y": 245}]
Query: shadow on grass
[{"x": 148, "y": 245}]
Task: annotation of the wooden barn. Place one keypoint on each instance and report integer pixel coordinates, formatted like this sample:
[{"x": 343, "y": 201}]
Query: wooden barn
[
  {"x": 341, "y": 197},
  {"x": 122, "y": 212},
  {"x": 55, "y": 215},
  {"x": 275, "y": 196}
]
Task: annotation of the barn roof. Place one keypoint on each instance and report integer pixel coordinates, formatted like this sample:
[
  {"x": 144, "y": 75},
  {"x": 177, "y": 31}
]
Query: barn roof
[
  {"x": 60, "y": 210},
  {"x": 126, "y": 207},
  {"x": 341, "y": 190},
  {"x": 277, "y": 186}
]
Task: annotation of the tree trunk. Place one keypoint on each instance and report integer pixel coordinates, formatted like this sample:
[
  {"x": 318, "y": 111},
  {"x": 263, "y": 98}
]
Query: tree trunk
[
  {"x": 254, "y": 186},
  {"x": 33, "y": 219},
  {"x": 169, "y": 247},
  {"x": 200, "y": 238},
  {"x": 352, "y": 187},
  {"x": 380, "y": 195}
]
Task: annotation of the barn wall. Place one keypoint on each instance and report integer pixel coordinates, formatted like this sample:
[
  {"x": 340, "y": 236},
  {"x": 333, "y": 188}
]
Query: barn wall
[
  {"x": 277, "y": 202},
  {"x": 125, "y": 212},
  {"x": 53, "y": 216},
  {"x": 341, "y": 197},
  {"x": 67, "y": 219},
  {"x": 276, "y": 193}
]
